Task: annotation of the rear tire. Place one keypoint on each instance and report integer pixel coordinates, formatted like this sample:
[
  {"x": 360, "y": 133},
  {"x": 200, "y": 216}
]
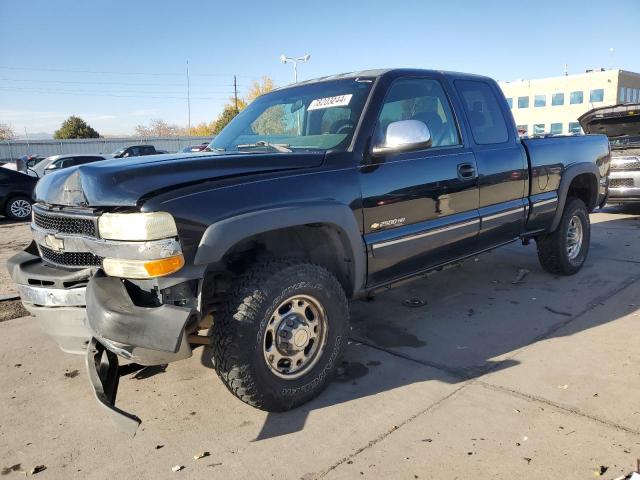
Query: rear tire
[
  {"x": 18, "y": 208},
  {"x": 564, "y": 251},
  {"x": 281, "y": 334}
]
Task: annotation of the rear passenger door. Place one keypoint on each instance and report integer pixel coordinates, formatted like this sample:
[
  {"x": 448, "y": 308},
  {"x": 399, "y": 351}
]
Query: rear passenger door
[
  {"x": 502, "y": 163},
  {"x": 420, "y": 207}
]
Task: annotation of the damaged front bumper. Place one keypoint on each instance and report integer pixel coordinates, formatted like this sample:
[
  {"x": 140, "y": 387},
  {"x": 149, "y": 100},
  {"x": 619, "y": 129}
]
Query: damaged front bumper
[{"x": 92, "y": 314}]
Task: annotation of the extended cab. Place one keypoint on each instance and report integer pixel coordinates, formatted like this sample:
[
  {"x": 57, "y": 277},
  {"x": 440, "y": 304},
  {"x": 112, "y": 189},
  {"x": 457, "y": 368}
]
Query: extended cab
[{"x": 314, "y": 194}]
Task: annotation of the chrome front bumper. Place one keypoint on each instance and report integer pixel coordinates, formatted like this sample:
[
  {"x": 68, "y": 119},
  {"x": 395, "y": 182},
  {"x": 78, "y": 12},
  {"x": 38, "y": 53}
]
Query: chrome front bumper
[
  {"x": 61, "y": 314},
  {"x": 624, "y": 186}
]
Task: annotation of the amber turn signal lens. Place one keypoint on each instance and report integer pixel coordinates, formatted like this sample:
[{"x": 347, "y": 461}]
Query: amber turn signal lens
[{"x": 164, "y": 266}]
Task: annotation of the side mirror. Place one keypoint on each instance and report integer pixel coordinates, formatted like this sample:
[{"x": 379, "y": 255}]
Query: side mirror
[{"x": 404, "y": 136}]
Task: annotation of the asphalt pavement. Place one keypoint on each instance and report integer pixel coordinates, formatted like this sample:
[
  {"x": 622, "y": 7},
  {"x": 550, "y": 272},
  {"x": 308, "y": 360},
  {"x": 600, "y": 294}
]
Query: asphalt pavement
[{"x": 493, "y": 369}]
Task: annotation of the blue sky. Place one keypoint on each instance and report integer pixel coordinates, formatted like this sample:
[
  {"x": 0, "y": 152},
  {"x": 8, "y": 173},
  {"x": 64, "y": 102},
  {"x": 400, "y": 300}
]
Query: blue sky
[{"x": 120, "y": 63}]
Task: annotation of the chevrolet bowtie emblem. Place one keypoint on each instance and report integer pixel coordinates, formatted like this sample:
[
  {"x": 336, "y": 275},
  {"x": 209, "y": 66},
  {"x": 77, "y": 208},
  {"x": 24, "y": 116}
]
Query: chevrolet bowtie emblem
[{"x": 55, "y": 244}]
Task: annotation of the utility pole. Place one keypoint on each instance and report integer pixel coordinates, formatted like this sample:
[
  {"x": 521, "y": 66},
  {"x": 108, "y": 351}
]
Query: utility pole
[
  {"x": 235, "y": 92},
  {"x": 188, "y": 102}
]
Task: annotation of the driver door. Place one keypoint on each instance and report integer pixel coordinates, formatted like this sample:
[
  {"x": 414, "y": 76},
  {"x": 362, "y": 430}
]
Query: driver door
[{"x": 420, "y": 208}]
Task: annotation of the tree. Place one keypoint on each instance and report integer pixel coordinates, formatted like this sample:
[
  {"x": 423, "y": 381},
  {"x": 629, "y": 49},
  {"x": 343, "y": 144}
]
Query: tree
[
  {"x": 158, "y": 128},
  {"x": 272, "y": 121},
  {"x": 6, "y": 132},
  {"x": 204, "y": 129},
  {"x": 75, "y": 127},
  {"x": 224, "y": 118}
]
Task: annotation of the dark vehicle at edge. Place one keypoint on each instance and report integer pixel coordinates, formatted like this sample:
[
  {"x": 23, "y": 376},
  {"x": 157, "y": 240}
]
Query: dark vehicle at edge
[
  {"x": 314, "y": 194},
  {"x": 16, "y": 190},
  {"x": 136, "y": 151}
]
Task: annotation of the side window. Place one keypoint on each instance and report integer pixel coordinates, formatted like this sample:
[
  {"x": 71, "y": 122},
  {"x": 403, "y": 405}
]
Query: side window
[
  {"x": 483, "y": 111},
  {"x": 134, "y": 152},
  {"x": 419, "y": 99},
  {"x": 148, "y": 151},
  {"x": 83, "y": 160}
]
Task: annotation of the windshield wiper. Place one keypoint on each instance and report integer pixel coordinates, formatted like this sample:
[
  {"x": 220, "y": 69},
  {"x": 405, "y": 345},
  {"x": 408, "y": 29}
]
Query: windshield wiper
[{"x": 278, "y": 147}]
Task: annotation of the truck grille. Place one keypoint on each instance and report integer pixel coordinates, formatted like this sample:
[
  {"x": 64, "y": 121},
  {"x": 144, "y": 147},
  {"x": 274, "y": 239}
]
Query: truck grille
[
  {"x": 625, "y": 163},
  {"x": 65, "y": 224},
  {"x": 621, "y": 182},
  {"x": 70, "y": 259}
]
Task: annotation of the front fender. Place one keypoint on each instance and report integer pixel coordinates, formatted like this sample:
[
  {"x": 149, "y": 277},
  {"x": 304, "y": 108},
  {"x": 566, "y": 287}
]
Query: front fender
[{"x": 220, "y": 237}]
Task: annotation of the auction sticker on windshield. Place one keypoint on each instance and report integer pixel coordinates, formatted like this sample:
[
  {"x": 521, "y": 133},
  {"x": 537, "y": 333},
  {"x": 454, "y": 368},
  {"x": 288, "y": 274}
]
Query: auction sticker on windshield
[{"x": 328, "y": 102}]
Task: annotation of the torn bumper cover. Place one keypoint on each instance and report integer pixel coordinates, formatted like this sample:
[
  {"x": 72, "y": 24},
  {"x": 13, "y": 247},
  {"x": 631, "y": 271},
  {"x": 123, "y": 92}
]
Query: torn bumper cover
[
  {"x": 94, "y": 315},
  {"x": 143, "y": 335},
  {"x": 104, "y": 374}
]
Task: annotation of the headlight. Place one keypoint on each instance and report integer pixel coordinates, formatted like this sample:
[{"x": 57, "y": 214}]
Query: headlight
[
  {"x": 115, "y": 267},
  {"x": 137, "y": 226}
]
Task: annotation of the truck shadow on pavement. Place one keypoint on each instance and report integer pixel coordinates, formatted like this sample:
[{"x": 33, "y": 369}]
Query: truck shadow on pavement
[{"x": 468, "y": 321}]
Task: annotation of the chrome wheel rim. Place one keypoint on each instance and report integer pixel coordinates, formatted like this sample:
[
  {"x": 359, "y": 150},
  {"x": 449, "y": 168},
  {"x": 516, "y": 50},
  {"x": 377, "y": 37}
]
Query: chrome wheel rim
[
  {"x": 575, "y": 235},
  {"x": 20, "y": 208},
  {"x": 295, "y": 337}
]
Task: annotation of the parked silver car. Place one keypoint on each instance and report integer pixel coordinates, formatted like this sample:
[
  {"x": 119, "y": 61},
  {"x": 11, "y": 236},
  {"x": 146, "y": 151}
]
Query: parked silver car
[{"x": 56, "y": 162}]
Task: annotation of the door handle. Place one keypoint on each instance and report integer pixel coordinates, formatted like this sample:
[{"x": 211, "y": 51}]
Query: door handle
[{"x": 466, "y": 171}]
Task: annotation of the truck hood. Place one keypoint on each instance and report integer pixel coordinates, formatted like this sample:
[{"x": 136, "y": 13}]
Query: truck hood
[
  {"x": 124, "y": 182},
  {"x": 616, "y": 122}
]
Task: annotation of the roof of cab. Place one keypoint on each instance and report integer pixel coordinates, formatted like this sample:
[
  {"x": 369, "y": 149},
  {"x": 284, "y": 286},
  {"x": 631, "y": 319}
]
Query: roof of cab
[{"x": 385, "y": 71}]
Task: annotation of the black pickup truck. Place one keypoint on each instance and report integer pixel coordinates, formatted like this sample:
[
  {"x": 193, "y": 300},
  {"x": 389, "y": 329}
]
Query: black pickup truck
[{"x": 315, "y": 194}]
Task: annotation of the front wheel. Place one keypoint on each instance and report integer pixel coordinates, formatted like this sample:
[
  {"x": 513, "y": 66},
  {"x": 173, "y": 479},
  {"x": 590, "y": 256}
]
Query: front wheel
[
  {"x": 18, "y": 208},
  {"x": 564, "y": 251},
  {"x": 281, "y": 334}
]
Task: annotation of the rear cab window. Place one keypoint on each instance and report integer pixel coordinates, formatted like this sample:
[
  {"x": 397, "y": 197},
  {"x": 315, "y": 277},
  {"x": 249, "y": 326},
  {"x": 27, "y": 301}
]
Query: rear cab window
[{"x": 484, "y": 113}]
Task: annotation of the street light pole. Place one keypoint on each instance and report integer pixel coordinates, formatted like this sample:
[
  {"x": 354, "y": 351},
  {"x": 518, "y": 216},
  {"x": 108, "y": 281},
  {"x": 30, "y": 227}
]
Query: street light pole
[{"x": 304, "y": 59}]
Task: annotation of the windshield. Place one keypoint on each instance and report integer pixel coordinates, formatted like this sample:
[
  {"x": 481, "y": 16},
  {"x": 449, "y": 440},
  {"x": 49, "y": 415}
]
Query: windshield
[{"x": 318, "y": 116}]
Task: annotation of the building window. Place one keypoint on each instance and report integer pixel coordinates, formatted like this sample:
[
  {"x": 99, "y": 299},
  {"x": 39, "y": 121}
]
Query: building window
[
  {"x": 538, "y": 128},
  {"x": 522, "y": 129},
  {"x": 574, "y": 127},
  {"x": 636, "y": 94},
  {"x": 622, "y": 92},
  {"x": 523, "y": 102},
  {"x": 510, "y": 102},
  {"x": 556, "y": 129},
  {"x": 540, "y": 101},
  {"x": 557, "y": 99},
  {"x": 596, "y": 95},
  {"x": 575, "y": 98},
  {"x": 629, "y": 90}
]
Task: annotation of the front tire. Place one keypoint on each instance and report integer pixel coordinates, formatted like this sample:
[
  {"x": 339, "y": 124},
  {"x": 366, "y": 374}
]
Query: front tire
[
  {"x": 18, "y": 208},
  {"x": 281, "y": 334},
  {"x": 564, "y": 251}
]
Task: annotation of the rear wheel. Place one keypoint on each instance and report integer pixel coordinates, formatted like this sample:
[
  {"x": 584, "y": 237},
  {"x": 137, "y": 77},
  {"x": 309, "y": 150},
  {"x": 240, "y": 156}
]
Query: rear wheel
[
  {"x": 281, "y": 334},
  {"x": 18, "y": 208},
  {"x": 564, "y": 251}
]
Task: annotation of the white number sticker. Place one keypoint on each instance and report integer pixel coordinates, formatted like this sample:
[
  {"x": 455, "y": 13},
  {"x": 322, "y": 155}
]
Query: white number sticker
[{"x": 328, "y": 102}]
